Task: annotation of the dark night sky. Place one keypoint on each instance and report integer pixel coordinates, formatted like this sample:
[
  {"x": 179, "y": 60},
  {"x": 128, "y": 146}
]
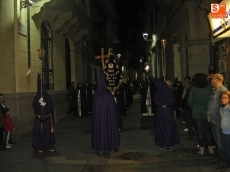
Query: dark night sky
[{"x": 129, "y": 15}]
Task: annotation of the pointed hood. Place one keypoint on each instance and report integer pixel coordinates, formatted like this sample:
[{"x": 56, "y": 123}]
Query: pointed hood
[{"x": 102, "y": 85}]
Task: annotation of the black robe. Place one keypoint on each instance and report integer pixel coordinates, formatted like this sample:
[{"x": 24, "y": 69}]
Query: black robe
[
  {"x": 89, "y": 99},
  {"x": 119, "y": 95},
  {"x": 129, "y": 96},
  {"x": 43, "y": 134}
]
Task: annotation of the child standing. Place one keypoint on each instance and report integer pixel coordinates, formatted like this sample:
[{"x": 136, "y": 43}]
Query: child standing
[
  {"x": 225, "y": 121},
  {"x": 8, "y": 127}
]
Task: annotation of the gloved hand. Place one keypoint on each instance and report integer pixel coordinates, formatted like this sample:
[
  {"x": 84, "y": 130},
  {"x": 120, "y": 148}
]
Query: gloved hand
[{"x": 41, "y": 102}]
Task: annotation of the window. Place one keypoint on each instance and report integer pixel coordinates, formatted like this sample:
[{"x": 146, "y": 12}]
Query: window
[{"x": 47, "y": 61}]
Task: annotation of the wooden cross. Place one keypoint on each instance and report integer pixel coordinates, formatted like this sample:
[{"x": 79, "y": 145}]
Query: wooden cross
[{"x": 102, "y": 57}]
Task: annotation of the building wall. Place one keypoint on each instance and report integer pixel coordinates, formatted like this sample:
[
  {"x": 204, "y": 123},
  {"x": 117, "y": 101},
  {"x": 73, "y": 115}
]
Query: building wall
[
  {"x": 7, "y": 62},
  {"x": 198, "y": 59},
  {"x": 18, "y": 81}
]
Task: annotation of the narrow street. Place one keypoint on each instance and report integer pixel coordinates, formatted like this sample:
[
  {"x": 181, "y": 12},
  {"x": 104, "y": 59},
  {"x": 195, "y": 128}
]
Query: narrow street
[{"x": 138, "y": 152}]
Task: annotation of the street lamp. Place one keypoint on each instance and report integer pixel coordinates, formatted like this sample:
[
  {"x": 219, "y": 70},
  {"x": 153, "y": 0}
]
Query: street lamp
[
  {"x": 145, "y": 36},
  {"x": 163, "y": 45},
  {"x": 147, "y": 68}
]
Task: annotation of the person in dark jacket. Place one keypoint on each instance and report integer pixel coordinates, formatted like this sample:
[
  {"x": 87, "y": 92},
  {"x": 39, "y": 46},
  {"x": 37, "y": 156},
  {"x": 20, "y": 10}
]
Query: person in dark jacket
[{"x": 198, "y": 101}]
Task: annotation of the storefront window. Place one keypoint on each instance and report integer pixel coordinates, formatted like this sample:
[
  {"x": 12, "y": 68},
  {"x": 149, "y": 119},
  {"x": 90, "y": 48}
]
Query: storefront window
[{"x": 222, "y": 54}]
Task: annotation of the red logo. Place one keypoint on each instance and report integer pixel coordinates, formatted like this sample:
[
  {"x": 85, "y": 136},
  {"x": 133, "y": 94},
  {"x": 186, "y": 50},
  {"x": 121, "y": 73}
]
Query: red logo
[{"x": 218, "y": 11}]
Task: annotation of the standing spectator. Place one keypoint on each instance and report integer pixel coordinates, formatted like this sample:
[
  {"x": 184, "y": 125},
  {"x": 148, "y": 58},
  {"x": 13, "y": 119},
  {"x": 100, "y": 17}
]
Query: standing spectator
[
  {"x": 166, "y": 132},
  {"x": 198, "y": 102},
  {"x": 188, "y": 112},
  {"x": 8, "y": 127},
  {"x": 213, "y": 116},
  {"x": 187, "y": 79},
  {"x": 211, "y": 69},
  {"x": 177, "y": 92},
  {"x": 2, "y": 105},
  {"x": 72, "y": 86},
  {"x": 225, "y": 121},
  {"x": 43, "y": 133}
]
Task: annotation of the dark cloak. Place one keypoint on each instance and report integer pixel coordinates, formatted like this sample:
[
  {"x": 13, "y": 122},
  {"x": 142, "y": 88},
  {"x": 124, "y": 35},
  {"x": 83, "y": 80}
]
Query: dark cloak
[
  {"x": 143, "y": 98},
  {"x": 89, "y": 98},
  {"x": 120, "y": 106},
  {"x": 84, "y": 112},
  {"x": 105, "y": 130},
  {"x": 129, "y": 96},
  {"x": 166, "y": 132},
  {"x": 122, "y": 96},
  {"x": 43, "y": 136}
]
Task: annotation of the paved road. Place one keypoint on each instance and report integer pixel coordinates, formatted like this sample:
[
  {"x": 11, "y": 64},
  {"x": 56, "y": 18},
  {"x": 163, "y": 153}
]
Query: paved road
[{"x": 138, "y": 152}]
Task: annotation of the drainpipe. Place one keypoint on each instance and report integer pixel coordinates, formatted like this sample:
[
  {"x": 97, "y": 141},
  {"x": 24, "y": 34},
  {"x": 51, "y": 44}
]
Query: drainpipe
[{"x": 28, "y": 41}]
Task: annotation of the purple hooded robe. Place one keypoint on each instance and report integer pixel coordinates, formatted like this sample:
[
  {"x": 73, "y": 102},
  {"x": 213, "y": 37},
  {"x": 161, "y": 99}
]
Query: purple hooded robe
[
  {"x": 166, "y": 132},
  {"x": 105, "y": 129}
]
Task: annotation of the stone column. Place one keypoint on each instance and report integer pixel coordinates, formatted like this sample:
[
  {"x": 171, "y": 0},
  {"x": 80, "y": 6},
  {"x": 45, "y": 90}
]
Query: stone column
[
  {"x": 183, "y": 58},
  {"x": 198, "y": 38}
]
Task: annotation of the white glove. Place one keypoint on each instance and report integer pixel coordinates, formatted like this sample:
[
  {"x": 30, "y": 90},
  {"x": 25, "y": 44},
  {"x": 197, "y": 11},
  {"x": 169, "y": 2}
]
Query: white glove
[{"x": 41, "y": 102}]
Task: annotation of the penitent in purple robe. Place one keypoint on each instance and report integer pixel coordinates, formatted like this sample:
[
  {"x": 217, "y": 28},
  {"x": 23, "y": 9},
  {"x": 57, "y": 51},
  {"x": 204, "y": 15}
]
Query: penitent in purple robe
[
  {"x": 43, "y": 136},
  {"x": 105, "y": 130},
  {"x": 166, "y": 132}
]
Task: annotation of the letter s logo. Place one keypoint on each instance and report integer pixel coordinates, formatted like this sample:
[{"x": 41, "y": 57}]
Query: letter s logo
[{"x": 215, "y": 8}]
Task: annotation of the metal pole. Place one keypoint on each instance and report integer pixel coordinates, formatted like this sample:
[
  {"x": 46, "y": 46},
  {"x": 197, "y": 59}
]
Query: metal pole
[{"x": 163, "y": 44}]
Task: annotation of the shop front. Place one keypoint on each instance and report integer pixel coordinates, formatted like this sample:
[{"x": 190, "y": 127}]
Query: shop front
[{"x": 220, "y": 33}]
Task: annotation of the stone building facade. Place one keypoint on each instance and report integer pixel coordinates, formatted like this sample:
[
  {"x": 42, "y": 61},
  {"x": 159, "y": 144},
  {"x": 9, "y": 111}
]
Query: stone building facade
[
  {"x": 185, "y": 26},
  {"x": 67, "y": 31}
]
